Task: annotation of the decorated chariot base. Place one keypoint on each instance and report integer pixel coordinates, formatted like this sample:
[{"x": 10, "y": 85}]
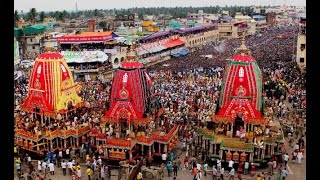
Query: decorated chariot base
[
  {"x": 52, "y": 100},
  {"x": 130, "y": 127},
  {"x": 239, "y": 126}
]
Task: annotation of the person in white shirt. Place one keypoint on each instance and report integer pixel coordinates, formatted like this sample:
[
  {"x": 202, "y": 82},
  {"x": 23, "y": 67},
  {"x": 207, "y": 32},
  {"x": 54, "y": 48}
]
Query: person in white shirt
[
  {"x": 79, "y": 172},
  {"x": 246, "y": 168},
  {"x": 214, "y": 173},
  {"x": 231, "y": 173},
  {"x": 60, "y": 154},
  {"x": 64, "y": 167},
  {"x": 199, "y": 166},
  {"x": 205, "y": 168},
  {"x": 99, "y": 161},
  {"x": 219, "y": 164},
  {"x": 274, "y": 164},
  {"x": 299, "y": 157},
  {"x": 286, "y": 159},
  {"x": 44, "y": 166},
  {"x": 29, "y": 160},
  {"x": 198, "y": 176},
  {"x": 230, "y": 165},
  {"x": 102, "y": 172},
  {"x": 51, "y": 168},
  {"x": 39, "y": 165},
  {"x": 222, "y": 173},
  {"x": 69, "y": 164},
  {"x": 267, "y": 131},
  {"x": 184, "y": 145},
  {"x": 67, "y": 153},
  {"x": 164, "y": 157}
]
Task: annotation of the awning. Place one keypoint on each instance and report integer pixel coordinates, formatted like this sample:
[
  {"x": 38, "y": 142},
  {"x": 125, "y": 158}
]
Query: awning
[
  {"x": 157, "y": 49},
  {"x": 151, "y": 50},
  {"x": 173, "y": 43},
  {"x": 184, "y": 52},
  {"x": 142, "y": 52}
]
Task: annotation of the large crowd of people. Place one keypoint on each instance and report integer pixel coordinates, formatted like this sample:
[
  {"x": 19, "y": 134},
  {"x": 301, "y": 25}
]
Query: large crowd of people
[{"x": 188, "y": 87}]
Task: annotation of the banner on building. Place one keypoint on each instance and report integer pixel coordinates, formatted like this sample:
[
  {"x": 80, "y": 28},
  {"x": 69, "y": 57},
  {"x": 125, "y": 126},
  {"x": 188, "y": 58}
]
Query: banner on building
[{"x": 84, "y": 56}]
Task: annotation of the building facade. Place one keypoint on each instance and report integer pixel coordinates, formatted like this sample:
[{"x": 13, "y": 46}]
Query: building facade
[
  {"x": 31, "y": 44},
  {"x": 271, "y": 19},
  {"x": 227, "y": 30},
  {"x": 251, "y": 23},
  {"x": 197, "y": 39},
  {"x": 301, "y": 45}
]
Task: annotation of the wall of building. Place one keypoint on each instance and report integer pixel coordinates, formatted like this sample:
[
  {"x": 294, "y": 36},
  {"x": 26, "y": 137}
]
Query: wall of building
[
  {"x": 33, "y": 48},
  {"x": 260, "y": 25},
  {"x": 227, "y": 30},
  {"x": 193, "y": 40},
  {"x": 271, "y": 19},
  {"x": 118, "y": 57},
  {"x": 252, "y": 27},
  {"x": 30, "y": 44},
  {"x": 301, "y": 51}
]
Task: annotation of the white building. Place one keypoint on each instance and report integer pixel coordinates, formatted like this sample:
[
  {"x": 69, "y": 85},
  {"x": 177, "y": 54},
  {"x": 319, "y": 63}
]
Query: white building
[{"x": 301, "y": 45}]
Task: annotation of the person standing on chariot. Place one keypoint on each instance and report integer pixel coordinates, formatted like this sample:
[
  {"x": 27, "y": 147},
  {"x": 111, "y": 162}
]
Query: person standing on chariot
[{"x": 39, "y": 165}]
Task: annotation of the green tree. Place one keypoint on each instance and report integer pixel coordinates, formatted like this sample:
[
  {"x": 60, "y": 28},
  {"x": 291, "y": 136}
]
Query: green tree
[
  {"x": 16, "y": 18},
  {"x": 42, "y": 16},
  {"x": 96, "y": 12},
  {"x": 61, "y": 17},
  {"x": 103, "y": 24},
  {"x": 141, "y": 16},
  {"x": 65, "y": 14},
  {"x": 56, "y": 15},
  {"x": 32, "y": 15}
]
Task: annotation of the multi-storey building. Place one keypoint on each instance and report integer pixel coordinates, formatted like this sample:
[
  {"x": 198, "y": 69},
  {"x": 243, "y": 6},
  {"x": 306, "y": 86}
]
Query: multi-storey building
[{"x": 301, "y": 45}]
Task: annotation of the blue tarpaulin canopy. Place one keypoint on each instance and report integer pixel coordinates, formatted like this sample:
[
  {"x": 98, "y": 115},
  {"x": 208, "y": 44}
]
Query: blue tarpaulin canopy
[{"x": 184, "y": 52}]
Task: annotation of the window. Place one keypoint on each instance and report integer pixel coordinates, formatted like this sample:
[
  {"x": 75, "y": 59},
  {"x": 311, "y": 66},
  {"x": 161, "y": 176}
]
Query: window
[
  {"x": 302, "y": 47},
  {"x": 301, "y": 60},
  {"x": 33, "y": 47},
  {"x": 30, "y": 39}
]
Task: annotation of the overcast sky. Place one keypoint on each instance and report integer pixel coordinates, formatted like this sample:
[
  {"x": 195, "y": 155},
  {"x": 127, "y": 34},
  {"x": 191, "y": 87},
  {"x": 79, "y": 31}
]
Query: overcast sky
[{"x": 54, "y": 5}]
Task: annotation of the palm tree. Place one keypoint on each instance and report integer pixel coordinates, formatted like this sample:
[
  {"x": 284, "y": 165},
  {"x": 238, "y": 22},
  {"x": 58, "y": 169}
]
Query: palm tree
[
  {"x": 65, "y": 14},
  {"x": 32, "y": 15},
  {"x": 61, "y": 17},
  {"x": 42, "y": 16},
  {"x": 103, "y": 24},
  {"x": 16, "y": 18},
  {"x": 96, "y": 12}
]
